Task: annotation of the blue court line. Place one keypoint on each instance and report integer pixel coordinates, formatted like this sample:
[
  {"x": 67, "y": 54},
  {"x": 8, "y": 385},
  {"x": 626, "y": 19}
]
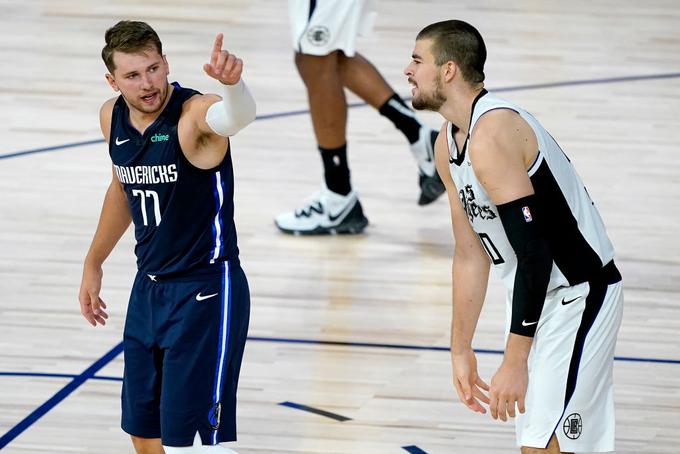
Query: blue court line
[
  {"x": 89, "y": 374},
  {"x": 414, "y": 449},
  {"x": 62, "y": 394},
  {"x": 54, "y": 148},
  {"x": 569, "y": 83},
  {"x": 44, "y": 375},
  {"x": 316, "y": 411},
  {"x": 432, "y": 348}
]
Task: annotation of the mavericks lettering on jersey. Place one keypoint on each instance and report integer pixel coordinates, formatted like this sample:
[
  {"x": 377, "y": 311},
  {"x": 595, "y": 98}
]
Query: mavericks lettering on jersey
[{"x": 147, "y": 174}]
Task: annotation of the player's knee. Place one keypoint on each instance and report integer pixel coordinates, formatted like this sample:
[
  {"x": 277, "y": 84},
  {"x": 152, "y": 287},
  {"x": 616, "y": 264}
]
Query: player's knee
[
  {"x": 552, "y": 448},
  {"x": 316, "y": 67},
  {"x": 530, "y": 450},
  {"x": 147, "y": 445}
]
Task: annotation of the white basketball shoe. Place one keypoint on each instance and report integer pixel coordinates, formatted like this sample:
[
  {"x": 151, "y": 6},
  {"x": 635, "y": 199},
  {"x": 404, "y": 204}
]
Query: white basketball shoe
[{"x": 326, "y": 213}]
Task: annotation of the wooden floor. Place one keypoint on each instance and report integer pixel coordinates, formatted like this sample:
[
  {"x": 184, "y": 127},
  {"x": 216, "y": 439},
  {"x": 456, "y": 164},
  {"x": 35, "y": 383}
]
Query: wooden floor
[{"x": 389, "y": 286}]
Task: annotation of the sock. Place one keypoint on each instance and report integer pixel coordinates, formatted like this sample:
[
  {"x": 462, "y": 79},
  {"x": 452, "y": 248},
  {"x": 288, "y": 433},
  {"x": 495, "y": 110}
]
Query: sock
[
  {"x": 402, "y": 116},
  {"x": 336, "y": 171}
]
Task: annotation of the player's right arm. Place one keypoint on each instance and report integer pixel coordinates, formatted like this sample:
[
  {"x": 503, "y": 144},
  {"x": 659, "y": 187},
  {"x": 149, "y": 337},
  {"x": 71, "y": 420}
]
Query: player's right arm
[
  {"x": 470, "y": 279},
  {"x": 114, "y": 220}
]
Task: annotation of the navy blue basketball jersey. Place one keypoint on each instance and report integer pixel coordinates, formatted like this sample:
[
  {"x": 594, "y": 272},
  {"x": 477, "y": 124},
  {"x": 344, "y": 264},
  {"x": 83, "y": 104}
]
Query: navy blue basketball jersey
[{"x": 183, "y": 215}]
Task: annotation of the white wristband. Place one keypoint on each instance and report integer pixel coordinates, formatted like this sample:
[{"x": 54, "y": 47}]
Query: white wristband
[{"x": 234, "y": 112}]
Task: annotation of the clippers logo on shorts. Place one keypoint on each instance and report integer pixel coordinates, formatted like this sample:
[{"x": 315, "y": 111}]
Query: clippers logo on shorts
[
  {"x": 318, "y": 35},
  {"x": 527, "y": 214},
  {"x": 473, "y": 210},
  {"x": 573, "y": 426}
]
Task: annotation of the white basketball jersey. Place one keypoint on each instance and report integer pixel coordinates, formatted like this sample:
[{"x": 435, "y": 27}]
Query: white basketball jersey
[{"x": 573, "y": 226}]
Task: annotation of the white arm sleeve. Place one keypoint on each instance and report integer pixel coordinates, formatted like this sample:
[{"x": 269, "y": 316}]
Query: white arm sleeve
[{"x": 234, "y": 112}]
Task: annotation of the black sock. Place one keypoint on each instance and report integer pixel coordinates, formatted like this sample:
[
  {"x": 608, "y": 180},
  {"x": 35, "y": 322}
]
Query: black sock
[
  {"x": 402, "y": 116},
  {"x": 336, "y": 171}
]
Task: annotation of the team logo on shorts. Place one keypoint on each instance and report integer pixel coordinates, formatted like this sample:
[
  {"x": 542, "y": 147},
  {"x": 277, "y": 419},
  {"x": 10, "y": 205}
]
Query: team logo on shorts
[
  {"x": 573, "y": 426},
  {"x": 318, "y": 35},
  {"x": 214, "y": 416}
]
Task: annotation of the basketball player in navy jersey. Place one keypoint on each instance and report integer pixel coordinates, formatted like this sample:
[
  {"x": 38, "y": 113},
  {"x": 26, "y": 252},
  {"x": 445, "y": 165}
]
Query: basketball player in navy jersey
[
  {"x": 517, "y": 203},
  {"x": 187, "y": 318}
]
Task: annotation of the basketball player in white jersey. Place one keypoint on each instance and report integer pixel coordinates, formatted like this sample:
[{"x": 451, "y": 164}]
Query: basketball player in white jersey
[
  {"x": 324, "y": 36},
  {"x": 518, "y": 204}
]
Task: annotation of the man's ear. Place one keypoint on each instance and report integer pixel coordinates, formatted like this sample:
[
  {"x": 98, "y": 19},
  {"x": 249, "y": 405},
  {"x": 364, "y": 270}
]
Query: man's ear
[
  {"x": 167, "y": 66},
  {"x": 112, "y": 82},
  {"x": 449, "y": 71}
]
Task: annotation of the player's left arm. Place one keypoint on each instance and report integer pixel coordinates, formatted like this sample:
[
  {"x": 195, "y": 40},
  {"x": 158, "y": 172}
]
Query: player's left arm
[
  {"x": 503, "y": 146},
  {"x": 209, "y": 120}
]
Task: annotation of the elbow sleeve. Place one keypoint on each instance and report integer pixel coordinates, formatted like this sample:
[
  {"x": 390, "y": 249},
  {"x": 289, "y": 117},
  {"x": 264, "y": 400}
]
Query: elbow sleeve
[{"x": 235, "y": 111}]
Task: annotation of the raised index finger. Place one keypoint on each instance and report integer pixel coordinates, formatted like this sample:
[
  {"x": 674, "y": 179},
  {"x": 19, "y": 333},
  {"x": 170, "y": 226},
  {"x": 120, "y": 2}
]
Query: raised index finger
[{"x": 217, "y": 48}]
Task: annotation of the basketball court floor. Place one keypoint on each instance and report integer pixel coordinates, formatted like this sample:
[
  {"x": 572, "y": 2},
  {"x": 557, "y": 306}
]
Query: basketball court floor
[{"x": 348, "y": 339}]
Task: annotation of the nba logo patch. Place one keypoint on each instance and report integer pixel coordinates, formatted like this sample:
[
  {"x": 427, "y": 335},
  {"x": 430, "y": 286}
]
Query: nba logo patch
[{"x": 527, "y": 214}]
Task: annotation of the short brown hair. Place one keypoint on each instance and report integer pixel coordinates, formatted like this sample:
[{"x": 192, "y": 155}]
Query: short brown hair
[
  {"x": 129, "y": 37},
  {"x": 460, "y": 42}
]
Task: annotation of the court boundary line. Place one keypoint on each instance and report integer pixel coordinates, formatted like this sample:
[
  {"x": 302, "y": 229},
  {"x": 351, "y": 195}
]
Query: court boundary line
[
  {"x": 316, "y": 411},
  {"x": 559, "y": 84},
  {"x": 89, "y": 373},
  {"x": 59, "y": 396},
  {"x": 413, "y": 449}
]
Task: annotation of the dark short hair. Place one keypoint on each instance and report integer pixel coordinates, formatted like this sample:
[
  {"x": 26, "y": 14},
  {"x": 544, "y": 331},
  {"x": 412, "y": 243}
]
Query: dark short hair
[
  {"x": 460, "y": 42},
  {"x": 129, "y": 37}
]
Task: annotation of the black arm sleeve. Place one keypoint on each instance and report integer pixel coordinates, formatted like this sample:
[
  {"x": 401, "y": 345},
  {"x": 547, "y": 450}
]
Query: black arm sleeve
[{"x": 523, "y": 225}]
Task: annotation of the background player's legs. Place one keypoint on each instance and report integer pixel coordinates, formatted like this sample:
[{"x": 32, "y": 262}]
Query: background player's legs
[
  {"x": 553, "y": 448},
  {"x": 360, "y": 76},
  {"x": 336, "y": 208},
  {"x": 363, "y": 79},
  {"x": 328, "y": 108},
  {"x": 327, "y": 103},
  {"x": 147, "y": 445}
]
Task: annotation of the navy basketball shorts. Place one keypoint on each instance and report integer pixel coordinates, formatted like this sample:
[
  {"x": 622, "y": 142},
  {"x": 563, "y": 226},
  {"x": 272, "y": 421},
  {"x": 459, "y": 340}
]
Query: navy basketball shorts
[{"x": 183, "y": 344}]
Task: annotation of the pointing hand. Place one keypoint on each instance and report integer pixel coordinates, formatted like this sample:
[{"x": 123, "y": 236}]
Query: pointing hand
[{"x": 223, "y": 66}]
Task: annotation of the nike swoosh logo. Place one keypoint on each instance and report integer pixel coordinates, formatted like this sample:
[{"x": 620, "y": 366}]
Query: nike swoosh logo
[
  {"x": 200, "y": 297},
  {"x": 565, "y": 302},
  {"x": 121, "y": 142},
  {"x": 342, "y": 213},
  {"x": 524, "y": 323}
]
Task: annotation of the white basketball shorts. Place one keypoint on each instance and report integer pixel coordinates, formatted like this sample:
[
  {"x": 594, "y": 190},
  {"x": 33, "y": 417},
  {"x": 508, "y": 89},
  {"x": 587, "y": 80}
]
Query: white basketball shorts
[
  {"x": 570, "y": 368},
  {"x": 319, "y": 27}
]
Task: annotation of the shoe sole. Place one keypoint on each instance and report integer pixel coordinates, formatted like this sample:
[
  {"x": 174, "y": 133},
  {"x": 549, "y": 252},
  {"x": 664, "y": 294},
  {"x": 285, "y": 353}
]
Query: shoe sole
[
  {"x": 353, "y": 228},
  {"x": 354, "y": 223}
]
